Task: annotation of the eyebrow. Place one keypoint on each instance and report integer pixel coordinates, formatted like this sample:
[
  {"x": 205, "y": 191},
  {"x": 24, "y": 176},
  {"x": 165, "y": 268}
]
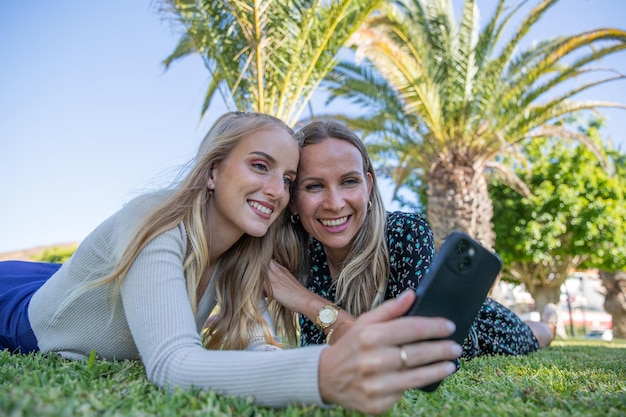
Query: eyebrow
[
  {"x": 264, "y": 155},
  {"x": 347, "y": 174},
  {"x": 271, "y": 159}
]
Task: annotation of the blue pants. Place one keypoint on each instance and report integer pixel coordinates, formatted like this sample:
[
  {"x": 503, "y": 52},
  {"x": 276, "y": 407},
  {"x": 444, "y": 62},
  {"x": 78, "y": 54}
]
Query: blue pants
[{"x": 18, "y": 282}]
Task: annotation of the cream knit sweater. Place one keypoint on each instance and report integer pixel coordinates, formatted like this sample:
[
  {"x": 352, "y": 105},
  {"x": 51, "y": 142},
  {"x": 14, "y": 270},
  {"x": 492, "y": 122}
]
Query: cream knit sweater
[{"x": 151, "y": 320}]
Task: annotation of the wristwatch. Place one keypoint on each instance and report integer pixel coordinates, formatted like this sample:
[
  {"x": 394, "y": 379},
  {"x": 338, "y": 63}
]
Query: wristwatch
[{"x": 326, "y": 316}]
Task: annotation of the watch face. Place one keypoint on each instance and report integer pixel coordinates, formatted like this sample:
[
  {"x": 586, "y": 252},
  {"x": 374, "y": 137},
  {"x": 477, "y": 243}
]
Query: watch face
[{"x": 327, "y": 315}]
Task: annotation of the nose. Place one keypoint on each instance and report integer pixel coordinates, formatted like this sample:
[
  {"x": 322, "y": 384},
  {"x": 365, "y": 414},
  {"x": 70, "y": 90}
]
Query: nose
[
  {"x": 275, "y": 187},
  {"x": 333, "y": 200}
]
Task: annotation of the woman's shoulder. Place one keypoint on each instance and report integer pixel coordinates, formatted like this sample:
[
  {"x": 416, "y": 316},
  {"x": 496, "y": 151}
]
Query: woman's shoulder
[
  {"x": 123, "y": 224},
  {"x": 410, "y": 235},
  {"x": 147, "y": 201},
  {"x": 407, "y": 227},
  {"x": 402, "y": 220}
]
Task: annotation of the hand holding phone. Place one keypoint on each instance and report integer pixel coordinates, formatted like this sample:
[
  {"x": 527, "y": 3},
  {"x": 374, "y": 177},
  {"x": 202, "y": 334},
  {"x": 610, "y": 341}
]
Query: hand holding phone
[{"x": 457, "y": 283}]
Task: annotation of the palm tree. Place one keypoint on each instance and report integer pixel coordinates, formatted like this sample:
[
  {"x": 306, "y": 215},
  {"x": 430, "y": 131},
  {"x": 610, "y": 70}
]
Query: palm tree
[
  {"x": 449, "y": 101},
  {"x": 264, "y": 55}
]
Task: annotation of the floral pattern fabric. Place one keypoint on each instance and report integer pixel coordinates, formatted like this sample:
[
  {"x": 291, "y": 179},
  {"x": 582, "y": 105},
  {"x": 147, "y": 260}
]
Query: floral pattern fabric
[{"x": 496, "y": 329}]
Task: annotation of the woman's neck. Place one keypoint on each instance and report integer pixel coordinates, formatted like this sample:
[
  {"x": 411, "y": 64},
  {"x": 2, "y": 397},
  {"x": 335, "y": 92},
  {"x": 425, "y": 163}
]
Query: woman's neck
[
  {"x": 221, "y": 236},
  {"x": 335, "y": 264}
]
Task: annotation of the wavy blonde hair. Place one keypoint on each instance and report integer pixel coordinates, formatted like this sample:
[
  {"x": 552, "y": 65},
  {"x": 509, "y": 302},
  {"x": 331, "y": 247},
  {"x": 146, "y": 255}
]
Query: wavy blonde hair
[
  {"x": 241, "y": 273},
  {"x": 363, "y": 279}
]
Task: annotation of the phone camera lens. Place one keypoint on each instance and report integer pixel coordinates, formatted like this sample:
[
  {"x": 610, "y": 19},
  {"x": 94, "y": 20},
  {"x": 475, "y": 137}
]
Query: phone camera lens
[
  {"x": 464, "y": 263},
  {"x": 462, "y": 246}
]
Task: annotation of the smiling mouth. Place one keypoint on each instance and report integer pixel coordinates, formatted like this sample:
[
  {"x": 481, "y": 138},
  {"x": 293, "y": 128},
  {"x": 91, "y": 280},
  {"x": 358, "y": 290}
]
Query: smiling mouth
[
  {"x": 260, "y": 207},
  {"x": 334, "y": 222}
]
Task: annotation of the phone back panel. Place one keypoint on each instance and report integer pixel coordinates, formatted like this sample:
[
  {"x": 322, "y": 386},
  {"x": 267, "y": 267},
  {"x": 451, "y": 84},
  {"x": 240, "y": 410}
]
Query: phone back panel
[{"x": 458, "y": 281}]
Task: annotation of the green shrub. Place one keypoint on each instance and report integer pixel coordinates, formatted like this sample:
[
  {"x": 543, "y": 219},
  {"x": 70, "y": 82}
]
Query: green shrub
[{"x": 58, "y": 254}]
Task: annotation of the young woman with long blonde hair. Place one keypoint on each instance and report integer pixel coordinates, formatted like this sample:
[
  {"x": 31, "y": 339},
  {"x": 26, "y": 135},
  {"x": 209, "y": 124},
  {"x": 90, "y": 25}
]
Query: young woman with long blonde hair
[{"x": 143, "y": 286}]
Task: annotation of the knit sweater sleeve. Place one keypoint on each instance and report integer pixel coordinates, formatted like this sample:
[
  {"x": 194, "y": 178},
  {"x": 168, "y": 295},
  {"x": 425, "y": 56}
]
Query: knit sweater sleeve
[{"x": 163, "y": 328}]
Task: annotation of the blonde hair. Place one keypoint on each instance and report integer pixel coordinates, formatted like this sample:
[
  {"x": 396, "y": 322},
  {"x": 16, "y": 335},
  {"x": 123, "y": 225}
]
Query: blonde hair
[
  {"x": 363, "y": 279},
  {"x": 240, "y": 276},
  {"x": 289, "y": 251}
]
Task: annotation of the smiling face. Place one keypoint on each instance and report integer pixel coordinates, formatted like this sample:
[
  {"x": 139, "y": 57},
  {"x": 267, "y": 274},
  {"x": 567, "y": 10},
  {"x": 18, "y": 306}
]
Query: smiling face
[
  {"x": 332, "y": 194},
  {"x": 251, "y": 186}
]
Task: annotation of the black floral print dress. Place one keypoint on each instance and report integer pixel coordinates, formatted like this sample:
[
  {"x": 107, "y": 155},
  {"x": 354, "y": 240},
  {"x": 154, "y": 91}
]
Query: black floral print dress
[{"x": 496, "y": 330}]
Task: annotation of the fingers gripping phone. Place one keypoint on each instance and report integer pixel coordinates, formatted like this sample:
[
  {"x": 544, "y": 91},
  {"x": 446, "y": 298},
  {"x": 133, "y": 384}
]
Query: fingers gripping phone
[{"x": 457, "y": 283}]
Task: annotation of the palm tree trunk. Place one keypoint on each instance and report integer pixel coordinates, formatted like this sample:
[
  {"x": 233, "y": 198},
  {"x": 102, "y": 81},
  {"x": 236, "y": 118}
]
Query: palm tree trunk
[{"x": 458, "y": 199}]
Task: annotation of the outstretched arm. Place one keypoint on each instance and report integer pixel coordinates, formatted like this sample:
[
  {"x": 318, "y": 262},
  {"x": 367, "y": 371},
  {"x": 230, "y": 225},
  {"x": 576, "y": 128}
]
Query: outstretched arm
[{"x": 384, "y": 354}]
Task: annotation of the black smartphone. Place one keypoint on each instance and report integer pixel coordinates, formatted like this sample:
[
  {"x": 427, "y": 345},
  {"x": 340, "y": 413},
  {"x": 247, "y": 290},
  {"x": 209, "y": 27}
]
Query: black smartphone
[{"x": 456, "y": 285}]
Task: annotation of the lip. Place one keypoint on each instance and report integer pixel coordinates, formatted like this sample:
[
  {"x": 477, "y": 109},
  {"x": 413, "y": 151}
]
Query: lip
[{"x": 261, "y": 208}]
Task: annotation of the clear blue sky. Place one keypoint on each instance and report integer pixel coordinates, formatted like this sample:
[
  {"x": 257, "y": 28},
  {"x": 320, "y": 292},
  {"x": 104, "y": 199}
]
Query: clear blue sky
[{"x": 89, "y": 118}]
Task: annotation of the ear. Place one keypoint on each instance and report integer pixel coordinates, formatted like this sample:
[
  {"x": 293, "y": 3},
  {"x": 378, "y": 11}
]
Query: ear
[
  {"x": 292, "y": 209},
  {"x": 370, "y": 185},
  {"x": 213, "y": 174}
]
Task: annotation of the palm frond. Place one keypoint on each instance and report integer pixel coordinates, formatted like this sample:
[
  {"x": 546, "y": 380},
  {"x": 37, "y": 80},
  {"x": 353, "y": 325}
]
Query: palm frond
[
  {"x": 527, "y": 86},
  {"x": 534, "y": 16},
  {"x": 266, "y": 55},
  {"x": 507, "y": 175},
  {"x": 185, "y": 47}
]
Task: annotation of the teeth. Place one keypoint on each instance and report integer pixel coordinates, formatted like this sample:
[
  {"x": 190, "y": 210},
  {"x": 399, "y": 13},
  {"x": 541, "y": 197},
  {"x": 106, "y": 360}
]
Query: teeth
[
  {"x": 336, "y": 222},
  {"x": 260, "y": 207}
]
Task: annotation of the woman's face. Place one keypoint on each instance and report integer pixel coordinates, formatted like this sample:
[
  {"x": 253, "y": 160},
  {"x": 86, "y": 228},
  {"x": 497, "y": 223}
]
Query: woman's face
[
  {"x": 251, "y": 186},
  {"x": 332, "y": 194}
]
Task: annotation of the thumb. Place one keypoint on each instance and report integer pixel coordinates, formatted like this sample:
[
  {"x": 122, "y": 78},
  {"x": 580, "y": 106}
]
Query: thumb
[{"x": 391, "y": 309}]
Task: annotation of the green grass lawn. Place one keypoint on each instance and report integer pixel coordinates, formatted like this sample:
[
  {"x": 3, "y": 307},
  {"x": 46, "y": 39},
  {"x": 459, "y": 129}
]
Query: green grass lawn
[{"x": 570, "y": 378}]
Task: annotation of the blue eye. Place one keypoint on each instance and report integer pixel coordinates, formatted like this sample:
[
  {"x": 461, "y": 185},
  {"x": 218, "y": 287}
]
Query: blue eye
[
  {"x": 288, "y": 181},
  {"x": 260, "y": 166},
  {"x": 313, "y": 187}
]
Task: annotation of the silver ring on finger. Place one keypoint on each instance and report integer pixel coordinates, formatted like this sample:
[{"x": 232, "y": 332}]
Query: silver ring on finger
[{"x": 404, "y": 358}]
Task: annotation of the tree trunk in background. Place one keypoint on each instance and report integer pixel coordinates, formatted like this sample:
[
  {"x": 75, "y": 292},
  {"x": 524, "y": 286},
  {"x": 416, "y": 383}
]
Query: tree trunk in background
[
  {"x": 544, "y": 295},
  {"x": 615, "y": 300},
  {"x": 543, "y": 281},
  {"x": 458, "y": 199}
]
